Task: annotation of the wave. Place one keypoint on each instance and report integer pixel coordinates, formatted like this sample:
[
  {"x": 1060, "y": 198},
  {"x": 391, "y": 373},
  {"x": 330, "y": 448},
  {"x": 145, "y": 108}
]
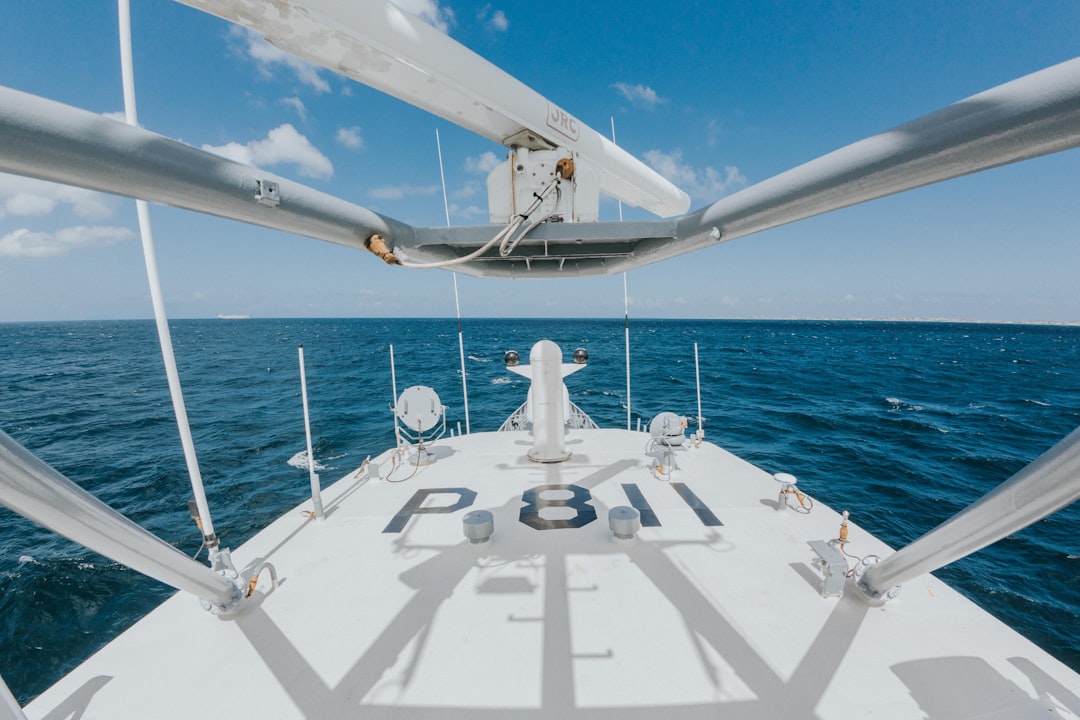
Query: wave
[
  {"x": 300, "y": 461},
  {"x": 898, "y": 404}
]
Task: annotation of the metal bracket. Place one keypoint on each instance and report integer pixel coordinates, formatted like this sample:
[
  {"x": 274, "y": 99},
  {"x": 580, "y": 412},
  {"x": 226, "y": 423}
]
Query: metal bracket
[
  {"x": 833, "y": 567},
  {"x": 266, "y": 193},
  {"x": 860, "y": 583},
  {"x": 221, "y": 563}
]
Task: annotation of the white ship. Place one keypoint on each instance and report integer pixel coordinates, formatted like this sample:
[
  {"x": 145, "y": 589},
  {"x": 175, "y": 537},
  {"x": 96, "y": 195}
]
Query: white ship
[{"x": 553, "y": 568}]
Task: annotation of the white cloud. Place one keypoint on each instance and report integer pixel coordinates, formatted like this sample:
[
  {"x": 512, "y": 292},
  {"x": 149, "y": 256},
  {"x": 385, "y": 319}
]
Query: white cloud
[
  {"x": 640, "y": 95},
  {"x": 26, "y": 243},
  {"x": 713, "y": 133},
  {"x": 707, "y": 184},
  {"x": 266, "y": 56},
  {"x": 440, "y": 18},
  {"x": 350, "y": 137},
  {"x": 468, "y": 212},
  {"x": 282, "y": 145},
  {"x": 296, "y": 104},
  {"x": 466, "y": 191},
  {"x": 483, "y": 163},
  {"x": 400, "y": 192},
  {"x": 493, "y": 19},
  {"x": 30, "y": 197}
]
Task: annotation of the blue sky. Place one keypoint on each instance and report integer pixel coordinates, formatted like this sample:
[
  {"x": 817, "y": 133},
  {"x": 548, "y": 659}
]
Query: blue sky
[{"x": 718, "y": 97}]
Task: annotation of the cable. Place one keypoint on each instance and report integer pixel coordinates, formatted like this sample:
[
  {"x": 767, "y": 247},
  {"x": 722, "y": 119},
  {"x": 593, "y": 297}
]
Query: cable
[
  {"x": 508, "y": 238},
  {"x": 511, "y": 241}
]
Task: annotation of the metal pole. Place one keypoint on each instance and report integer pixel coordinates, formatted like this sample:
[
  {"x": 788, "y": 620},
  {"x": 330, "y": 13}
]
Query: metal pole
[
  {"x": 626, "y": 335},
  {"x": 442, "y": 177},
  {"x": 461, "y": 354},
  {"x": 1049, "y": 483},
  {"x": 157, "y": 298},
  {"x": 615, "y": 143},
  {"x": 38, "y": 492},
  {"x": 393, "y": 389},
  {"x": 316, "y": 490},
  {"x": 626, "y": 307},
  {"x": 697, "y": 379},
  {"x": 457, "y": 303}
]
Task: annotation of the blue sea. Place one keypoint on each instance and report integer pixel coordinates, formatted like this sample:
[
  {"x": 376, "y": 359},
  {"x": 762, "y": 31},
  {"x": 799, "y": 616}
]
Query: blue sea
[{"x": 903, "y": 424}]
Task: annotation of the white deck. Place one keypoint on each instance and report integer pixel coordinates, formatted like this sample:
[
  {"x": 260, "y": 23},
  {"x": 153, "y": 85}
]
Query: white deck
[{"x": 686, "y": 620}]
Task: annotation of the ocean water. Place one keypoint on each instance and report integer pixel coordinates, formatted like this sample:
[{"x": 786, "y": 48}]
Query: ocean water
[{"x": 903, "y": 424}]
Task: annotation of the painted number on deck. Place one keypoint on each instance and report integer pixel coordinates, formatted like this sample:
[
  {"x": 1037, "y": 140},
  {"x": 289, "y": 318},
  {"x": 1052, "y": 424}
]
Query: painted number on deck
[{"x": 538, "y": 498}]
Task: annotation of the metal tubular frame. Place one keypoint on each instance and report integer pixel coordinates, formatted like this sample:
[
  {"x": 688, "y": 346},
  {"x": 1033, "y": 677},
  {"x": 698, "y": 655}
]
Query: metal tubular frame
[
  {"x": 1048, "y": 484},
  {"x": 39, "y": 493}
]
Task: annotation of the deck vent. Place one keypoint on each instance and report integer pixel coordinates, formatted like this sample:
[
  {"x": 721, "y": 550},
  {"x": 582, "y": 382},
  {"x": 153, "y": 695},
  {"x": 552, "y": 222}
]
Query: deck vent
[
  {"x": 624, "y": 522},
  {"x": 479, "y": 526}
]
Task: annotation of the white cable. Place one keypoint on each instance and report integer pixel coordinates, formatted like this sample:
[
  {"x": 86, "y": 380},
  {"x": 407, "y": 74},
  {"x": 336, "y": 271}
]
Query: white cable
[{"x": 505, "y": 237}]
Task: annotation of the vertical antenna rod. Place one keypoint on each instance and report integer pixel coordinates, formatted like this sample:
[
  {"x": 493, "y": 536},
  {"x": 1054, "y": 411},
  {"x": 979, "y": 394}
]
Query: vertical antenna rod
[
  {"x": 457, "y": 303},
  {"x": 626, "y": 333},
  {"x": 613, "y": 142},
  {"x": 697, "y": 380},
  {"x": 393, "y": 389},
  {"x": 316, "y": 490},
  {"x": 626, "y": 308},
  {"x": 150, "y": 257}
]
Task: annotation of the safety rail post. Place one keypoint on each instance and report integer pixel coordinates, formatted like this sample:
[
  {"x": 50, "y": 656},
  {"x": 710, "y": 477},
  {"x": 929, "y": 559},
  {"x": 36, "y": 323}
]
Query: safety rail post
[
  {"x": 1046, "y": 485},
  {"x": 39, "y": 493},
  {"x": 697, "y": 383},
  {"x": 316, "y": 489},
  {"x": 626, "y": 336},
  {"x": 393, "y": 389}
]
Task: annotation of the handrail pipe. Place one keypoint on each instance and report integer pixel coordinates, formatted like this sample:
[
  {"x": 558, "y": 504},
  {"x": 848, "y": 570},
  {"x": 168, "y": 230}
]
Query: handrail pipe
[
  {"x": 39, "y": 493},
  {"x": 1046, "y": 485}
]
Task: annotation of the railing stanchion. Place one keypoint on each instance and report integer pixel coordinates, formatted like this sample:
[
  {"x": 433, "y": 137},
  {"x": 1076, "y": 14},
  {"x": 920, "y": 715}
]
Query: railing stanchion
[{"x": 316, "y": 490}]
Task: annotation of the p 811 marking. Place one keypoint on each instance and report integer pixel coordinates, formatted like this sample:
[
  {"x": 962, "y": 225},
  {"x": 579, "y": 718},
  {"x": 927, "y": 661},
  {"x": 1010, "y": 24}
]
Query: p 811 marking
[{"x": 538, "y": 498}]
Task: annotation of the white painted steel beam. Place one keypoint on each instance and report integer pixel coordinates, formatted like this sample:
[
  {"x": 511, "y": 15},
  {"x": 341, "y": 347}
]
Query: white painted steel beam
[
  {"x": 38, "y": 492},
  {"x": 49, "y": 140},
  {"x": 1035, "y": 115},
  {"x": 1048, "y": 484},
  {"x": 377, "y": 43}
]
